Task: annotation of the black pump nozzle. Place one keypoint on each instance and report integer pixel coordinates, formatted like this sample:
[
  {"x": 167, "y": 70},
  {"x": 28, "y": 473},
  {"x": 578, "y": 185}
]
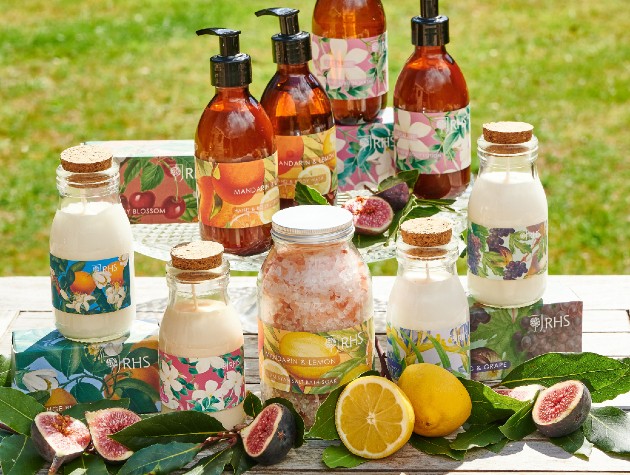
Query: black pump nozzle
[
  {"x": 430, "y": 28},
  {"x": 290, "y": 46},
  {"x": 230, "y": 68}
]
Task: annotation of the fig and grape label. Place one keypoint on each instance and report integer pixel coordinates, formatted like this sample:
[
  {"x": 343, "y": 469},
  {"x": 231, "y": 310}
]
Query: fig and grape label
[{"x": 314, "y": 362}]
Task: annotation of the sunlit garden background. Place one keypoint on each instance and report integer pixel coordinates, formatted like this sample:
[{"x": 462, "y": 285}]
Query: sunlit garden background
[{"x": 72, "y": 71}]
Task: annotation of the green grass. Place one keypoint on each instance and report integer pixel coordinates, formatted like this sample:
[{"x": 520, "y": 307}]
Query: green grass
[{"x": 103, "y": 70}]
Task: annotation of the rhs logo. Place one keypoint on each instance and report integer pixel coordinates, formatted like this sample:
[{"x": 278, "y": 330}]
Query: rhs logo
[{"x": 540, "y": 323}]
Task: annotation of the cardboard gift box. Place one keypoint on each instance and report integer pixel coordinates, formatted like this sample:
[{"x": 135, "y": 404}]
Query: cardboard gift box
[
  {"x": 365, "y": 153},
  {"x": 157, "y": 179},
  {"x": 502, "y": 338},
  {"x": 61, "y": 373}
]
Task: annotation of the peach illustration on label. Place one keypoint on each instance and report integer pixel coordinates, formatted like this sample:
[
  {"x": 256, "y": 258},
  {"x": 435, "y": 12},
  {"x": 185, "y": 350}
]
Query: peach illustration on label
[
  {"x": 237, "y": 185},
  {"x": 83, "y": 283},
  {"x": 290, "y": 152}
]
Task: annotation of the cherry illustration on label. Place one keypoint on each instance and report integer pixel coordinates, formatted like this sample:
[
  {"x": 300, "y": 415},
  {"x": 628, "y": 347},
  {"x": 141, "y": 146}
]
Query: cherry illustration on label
[{"x": 142, "y": 199}]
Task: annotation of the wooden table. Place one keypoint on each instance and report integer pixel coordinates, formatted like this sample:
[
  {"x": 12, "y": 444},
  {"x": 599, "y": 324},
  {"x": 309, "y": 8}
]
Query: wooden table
[{"x": 25, "y": 303}]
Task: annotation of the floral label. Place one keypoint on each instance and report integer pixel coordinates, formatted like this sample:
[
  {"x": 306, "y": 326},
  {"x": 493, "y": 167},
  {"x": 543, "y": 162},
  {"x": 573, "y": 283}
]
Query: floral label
[
  {"x": 507, "y": 253},
  {"x": 90, "y": 287},
  {"x": 207, "y": 384},
  {"x": 314, "y": 363},
  {"x": 351, "y": 68},
  {"x": 309, "y": 159},
  {"x": 432, "y": 142},
  {"x": 365, "y": 155},
  {"x": 237, "y": 195},
  {"x": 447, "y": 347}
]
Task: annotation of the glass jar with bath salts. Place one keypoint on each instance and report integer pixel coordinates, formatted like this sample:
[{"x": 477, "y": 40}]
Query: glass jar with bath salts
[
  {"x": 427, "y": 314},
  {"x": 316, "y": 326},
  {"x": 507, "y": 219},
  {"x": 91, "y": 254},
  {"x": 201, "y": 343}
]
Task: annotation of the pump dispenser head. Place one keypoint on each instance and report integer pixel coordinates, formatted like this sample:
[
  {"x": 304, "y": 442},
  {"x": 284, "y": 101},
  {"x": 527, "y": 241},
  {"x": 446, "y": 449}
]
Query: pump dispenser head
[
  {"x": 430, "y": 28},
  {"x": 290, "y": 46},
  {"x": 230, "y": 68}
]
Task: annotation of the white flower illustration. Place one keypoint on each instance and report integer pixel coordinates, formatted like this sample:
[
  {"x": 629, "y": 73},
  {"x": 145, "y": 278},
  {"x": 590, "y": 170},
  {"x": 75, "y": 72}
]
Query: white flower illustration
[
  {"x": 41, "y": 380},
  {"x": 210, "y": 389},
  {"x": 79, "y": 301},
  {"x": 233, "y": 380},
  {"x": 115, "y": 295},
  {"x": 123, "y": 259},
  {"x": 64, "y": 295},
  {"x": 204, "y": 364},
  {"x": 102, "y": 278},
  {"x": 343, "y": 64},
  {"x": 408, "y": 135},
  {"x": 168, "y": 376},
  {"x": 114, "y": 347}
]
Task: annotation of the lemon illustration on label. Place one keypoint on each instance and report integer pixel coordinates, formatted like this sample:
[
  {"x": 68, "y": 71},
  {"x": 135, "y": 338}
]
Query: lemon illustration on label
[
  {"x": 308, "y": 355},
  {"x": 275, "y": 375},
  {"x": 316, "y": 176},
  {"x": 269, "y": 204}
]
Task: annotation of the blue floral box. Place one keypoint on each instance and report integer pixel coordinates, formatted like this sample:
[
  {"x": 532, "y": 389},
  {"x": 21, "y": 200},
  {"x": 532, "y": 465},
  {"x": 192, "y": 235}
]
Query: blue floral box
[
  {"x": 61, "y": 373},
  {"x": 365, "y": 153},
  {"x": 502, "y": 338}
]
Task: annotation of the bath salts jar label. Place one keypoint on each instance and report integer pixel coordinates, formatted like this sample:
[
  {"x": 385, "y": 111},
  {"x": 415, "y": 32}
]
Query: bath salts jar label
[
  {"x": 90, "y": 287},
  {"x": 432, "y": 142},
  {"x": 351, "y": 68},
  {"x": 237, "y": 195},
  {"x": 309, "y": 159},
  {"x": 446, "y": 347},
  {"x": 314, "y": 363},
  {"x": 208, "y": 384},
  {"x": 507, "y": 253}
]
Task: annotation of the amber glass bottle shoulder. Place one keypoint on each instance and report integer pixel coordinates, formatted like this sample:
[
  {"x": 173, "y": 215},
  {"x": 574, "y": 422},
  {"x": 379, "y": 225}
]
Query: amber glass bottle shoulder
[{"x": 349, "y": 18}]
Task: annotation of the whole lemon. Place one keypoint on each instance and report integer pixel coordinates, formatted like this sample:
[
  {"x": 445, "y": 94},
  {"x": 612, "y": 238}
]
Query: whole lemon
[{"x": 440, "y": 401}]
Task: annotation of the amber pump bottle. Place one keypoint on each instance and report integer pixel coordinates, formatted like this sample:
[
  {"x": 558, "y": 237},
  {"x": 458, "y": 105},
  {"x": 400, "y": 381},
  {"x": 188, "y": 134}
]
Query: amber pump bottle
[
  {"x": 432, "y": 112},
  {"x": 236, "y": 158},
  {"x": 301, "y": 114},
  {"x": 350, "y": 57}
]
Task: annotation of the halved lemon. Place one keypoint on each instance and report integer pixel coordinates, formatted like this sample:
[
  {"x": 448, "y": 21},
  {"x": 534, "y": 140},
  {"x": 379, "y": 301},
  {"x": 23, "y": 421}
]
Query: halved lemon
[
  {"x": 269, "y": 204},
  {"x": 374, "y": 418},
  {"x": 316, "y": 176},
  {"x": 275, "y": 375}
]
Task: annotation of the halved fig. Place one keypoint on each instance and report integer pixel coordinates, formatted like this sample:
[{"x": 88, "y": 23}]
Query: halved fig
[
  {"x": 271, "y": 434},
  {"x": 106, "y": 422},
  {"x": 522, "y": 393},
  {"x": 59, "y": 439},
  {"x": 562, "y": 408},
  {"x": 371, "y": 215}
]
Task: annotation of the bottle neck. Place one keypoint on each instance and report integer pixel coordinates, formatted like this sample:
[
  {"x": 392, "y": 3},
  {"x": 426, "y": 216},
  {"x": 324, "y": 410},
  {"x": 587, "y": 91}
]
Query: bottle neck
[
  {"x": 293, "y": 69},
  {"x": 89, "y": 187},
  {"x": 431, "y": 51},
  {"x": 233, "y": 93},
  {"x": 194, "y": 288},
  {"x": 517, "y": 158},
  {"x": 428, "y": 262}
]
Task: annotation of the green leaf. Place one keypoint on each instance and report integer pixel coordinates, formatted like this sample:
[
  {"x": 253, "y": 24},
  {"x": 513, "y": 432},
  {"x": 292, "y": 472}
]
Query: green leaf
[
  {"x": 410, "y": 177},
  {"x": 86, "y": 392},
  {"x": 444, "y": 359},
  {"x": 480, "y": 435},
  {"x": 324, "y": 425},
  {"x": 138, "y": 385},
  {"x": 18, "y": 456},
  {"x": 497, "y": 447},
  {"x": 160, "y": 459},
  {"x": 5, "y": 371},
  {"x": 241, "y": 462},
  {"x": 212, "y": 465},
  {"x": 306, "y": 195},
  {"x": 519, "y": 425},
  {"x": 335, "y": 456},
  {"x": 87, "y": 464},
  {"x": 181, "y": 426},
  {"x": 596, "y": 371},
  {"x": 17, "y": 410},
  {"x": 487, "y": 405},
  {"x": 299, "y": 422},
  {"x": 78, "y": 410},
  {"x": 574, "y": 443},
  {"x": 252, "y": 405},
  {"x": 152, "y": 176},
  {"x": 435, "y": 446},
  {"x": 609, "y": 429},
  {"x": 132, "y": 168},
  {"x": 615, "y": 388}
]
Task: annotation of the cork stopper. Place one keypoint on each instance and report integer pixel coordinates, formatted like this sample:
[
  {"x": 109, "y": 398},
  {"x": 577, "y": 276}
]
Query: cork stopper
[
  {"x": 426, "y": 232},
  {"x": 86, "y": 159},
  {"x": 197, "y": 255},
  {"x": 508, "y": 133}
]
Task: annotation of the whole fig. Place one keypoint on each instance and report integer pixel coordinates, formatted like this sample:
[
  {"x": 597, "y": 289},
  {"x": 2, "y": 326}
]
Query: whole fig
[
  {"x": 397, "y": 196},
  {"x": 271, "y": 434}
]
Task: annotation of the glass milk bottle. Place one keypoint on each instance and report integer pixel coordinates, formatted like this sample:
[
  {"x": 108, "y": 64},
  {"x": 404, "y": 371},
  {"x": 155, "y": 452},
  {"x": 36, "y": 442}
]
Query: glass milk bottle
[
  {"x": 91, "y": 255},
  {"x": 316, "y": 325},
  {"x": 507, "y": 219},
  {"x": 201, "y": 342},
  {"x": 427, "y": 312}
]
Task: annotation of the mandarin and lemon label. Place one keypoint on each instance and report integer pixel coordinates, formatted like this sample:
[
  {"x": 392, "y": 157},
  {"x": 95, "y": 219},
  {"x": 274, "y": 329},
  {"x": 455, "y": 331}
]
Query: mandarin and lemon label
[
  {"x": 314, "y": 363},
  {"x": 308, "y": 159},
  {"x": 237, "y": 195}
]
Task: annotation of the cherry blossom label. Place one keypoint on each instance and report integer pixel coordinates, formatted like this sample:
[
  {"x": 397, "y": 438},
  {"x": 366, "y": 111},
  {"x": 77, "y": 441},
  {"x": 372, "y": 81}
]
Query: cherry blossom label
[
  {"x": 351, "y": 68},
  {"x": 208, "y": 384},
  {"x": 90, "y": 287},
  {"x": 507, "y": 253},
  {"x": 432, "y": 142},
  {"x": 448, "y": 347}
]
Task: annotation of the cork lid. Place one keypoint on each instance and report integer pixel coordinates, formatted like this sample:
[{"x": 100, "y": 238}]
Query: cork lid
[
  {"x": 426, "y": 232},
  {"x": 86, "y": 159},
  {"x": 508, "y": 133},
  {"x": 197, "y": 255}
]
